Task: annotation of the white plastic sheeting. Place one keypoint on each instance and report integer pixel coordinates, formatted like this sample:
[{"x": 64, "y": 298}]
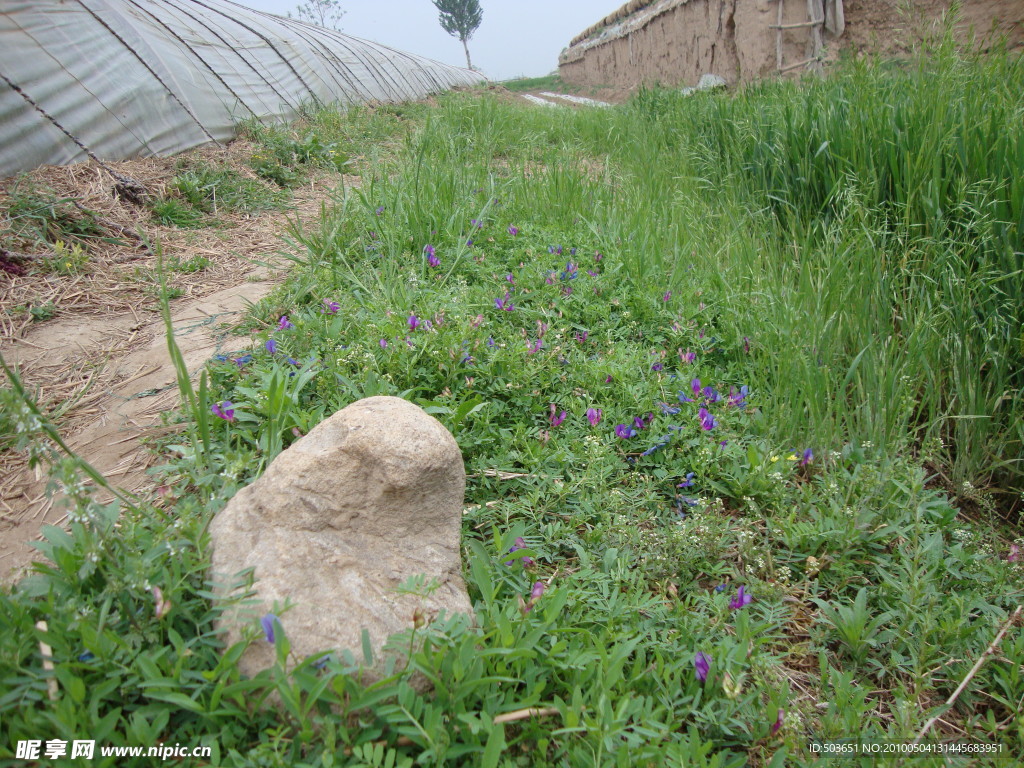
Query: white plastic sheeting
[{"x": 129, "y": 78}]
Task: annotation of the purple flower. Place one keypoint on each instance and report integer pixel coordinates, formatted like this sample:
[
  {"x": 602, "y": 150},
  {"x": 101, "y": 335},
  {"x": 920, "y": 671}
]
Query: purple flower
[
  {"x": 624, "y": 431},
  {"x": 807, "y": 458},
  {"x": 224, "y": 410},
  {"x": 688, "y": 482},
  {"x": 741, "y": 599},
  {"x": 738, "y": 398},
  {"x": 534, "y": 347},
  {"x": 556, "y": 421},
  {"x": 505, "y": 303},
  {"x": 240, "y": 361},
  {"x": 638, "y": 422},
  {"x": 582, "y": 338},
  {"x": 711, "y": 394},
  {"x": 330, "y": 307},
  {"x": 414, "y": 322},
  {"x": 667, "y": 296},
  {"x": 1014, "y": 554},
  {"x": 687, "y": 356},
  {"x": 283, "y": 324},
  {"x": 542, "y": 328},
  {"x": 657, "y": 367},
  {"x": 608, "y": 379},
  {"x": 662, "y": 442},
  {"x": 161, "y": 607},
  {"x": 702, "y": 663},
  {"x": 555, "y": 249},
  {"x": 746, "y": 345},
  {"x": 537, "y": 591},
  {"x": 683, "y": 398},
  {"x": 271, "y": 346},
  {"x": 268, "y": 622},
  {"x": 510, "y": 278},
  {"x": 570, "y": 271},
  {"x": 777, "y": 725},
  {"x": 432, "y": 259},
  {"x": 592, "y": 273},
  {"x": 513, "y": 230},
  {"x": 707, "y": 421},
  {"x": 380, "y": 210},
  {"x": 667, "y": 409},
  {"x": 519, "y": 544},
  {"x": 477, "y": 224},
  {"x": 383, "y": 343},
  {"x": 594, "y": 416},
  {"x": 695, "y": 386}
]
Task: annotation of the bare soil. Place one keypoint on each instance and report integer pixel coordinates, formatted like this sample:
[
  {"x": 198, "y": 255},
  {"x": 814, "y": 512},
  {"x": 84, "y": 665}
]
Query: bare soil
[{"x": 101, "y": 366}]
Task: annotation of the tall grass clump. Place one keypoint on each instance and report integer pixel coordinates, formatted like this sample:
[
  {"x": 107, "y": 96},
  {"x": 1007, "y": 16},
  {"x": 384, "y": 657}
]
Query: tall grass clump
[{"x": 879, "y": 261}]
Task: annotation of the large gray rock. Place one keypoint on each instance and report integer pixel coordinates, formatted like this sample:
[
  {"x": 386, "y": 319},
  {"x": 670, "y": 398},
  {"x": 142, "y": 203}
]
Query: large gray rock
[{"x": 369, "y": 498}]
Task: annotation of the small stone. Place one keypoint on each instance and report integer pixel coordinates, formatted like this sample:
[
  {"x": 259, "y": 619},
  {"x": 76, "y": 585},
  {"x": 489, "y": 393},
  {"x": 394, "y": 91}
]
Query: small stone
[{"x": 371, "y": 497}]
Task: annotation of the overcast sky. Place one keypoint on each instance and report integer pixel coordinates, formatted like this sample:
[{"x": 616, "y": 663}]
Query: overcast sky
[{"x": 516, "y": 37}]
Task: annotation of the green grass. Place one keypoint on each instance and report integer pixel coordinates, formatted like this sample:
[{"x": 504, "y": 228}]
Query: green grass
[
  {"x": 545, "y": 83},
  {"x": 642, "y": 248}
]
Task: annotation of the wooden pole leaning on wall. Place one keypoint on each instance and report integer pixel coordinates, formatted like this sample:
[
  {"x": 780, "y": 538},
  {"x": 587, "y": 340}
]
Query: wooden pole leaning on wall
[{"x": 778, "y": 38}]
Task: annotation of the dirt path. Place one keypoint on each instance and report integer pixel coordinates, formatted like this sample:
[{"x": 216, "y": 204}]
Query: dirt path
[{"x": 101, "y": 368}]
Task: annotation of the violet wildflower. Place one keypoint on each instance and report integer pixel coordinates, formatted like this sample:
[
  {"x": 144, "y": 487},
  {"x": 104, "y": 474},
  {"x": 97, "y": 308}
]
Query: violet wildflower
[
  {"x": 687, "y": 356},
  {"x": 707, "y": 421},
  {"x": 746, "y": 345},
  {"x": 542, "y": 328},
  {"x": 608, "y": 379},
  {"x": 513, "y": 230},
  {"x": 505, "y": 303},
  {"x": 807, "y": 457},
  {"x": 283, "y": 324},
  {"x": 594, "y": 416},
  {"x": 477, "y": 224},
  {"x": 224, "y": 410},
  {"x": 777, "y": 725},
  {"x": 683, "y": 398},
  {"x": 240, "y": 361},
  {"x": 271, "y": 346},
  {"x": 510, "y": 278},
  {"x": 383, "y": 343},
  {"x": 711, "y": 394},
  {"x": 160, "y": 606},
  {"x": 638, "y": 422},
  {"x": 330, "y": 307},
  {"x": 582, "y": 338},
  {"x": 555, "y": 249},
  {"x": 741, "y": 599},
  {"x": 667, "y": 296},
  {"x": 688, "y": 482},
  {"x": 414, "y": 322},
  {"x": 268, "y": 622},
  {"x": 597, "y": 256},
  {"x": 520, "y": 543},
  {"x": 572, "y": 251},
  {"x": 380, "y": 210},
  {"x": 537, "y": 591},
  {"x": 702, "y": 664},
  {"x": 477, "y": 321},
  {"x": 592, "y": 273},
  {"x": 668, "y": 410},
  {"x": 1014, "y": 555},
  {"x": 738, "y": 398},
  {"x": 570, "y": 271},
  {"x": 721, "y": 588},
  {"x": 534, "y": 347},
  {"x": 662, "y": 442},
  {"x": 657, "y": 367},
  {"x": 556, "y": 421},
  {"x": 624, "y": 431},
  {"x": 695, "y": 386}
]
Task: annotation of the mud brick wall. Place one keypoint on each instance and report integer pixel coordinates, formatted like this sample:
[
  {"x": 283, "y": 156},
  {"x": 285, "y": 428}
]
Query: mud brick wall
[{"x": 674, "y": 42}]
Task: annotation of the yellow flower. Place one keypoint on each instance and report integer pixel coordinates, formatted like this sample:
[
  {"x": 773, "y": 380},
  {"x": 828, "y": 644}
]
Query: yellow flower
[{"x": 774, "y": 459}]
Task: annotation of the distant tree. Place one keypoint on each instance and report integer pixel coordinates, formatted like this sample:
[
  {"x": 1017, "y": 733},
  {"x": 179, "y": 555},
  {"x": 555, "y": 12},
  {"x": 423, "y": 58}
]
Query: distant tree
[
  {"x": 460, "y": 18},
  {"x": 324, "y": 13}
]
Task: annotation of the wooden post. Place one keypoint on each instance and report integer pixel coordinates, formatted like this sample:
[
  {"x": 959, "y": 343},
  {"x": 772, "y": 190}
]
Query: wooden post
[{"x": 778, "y": 38}]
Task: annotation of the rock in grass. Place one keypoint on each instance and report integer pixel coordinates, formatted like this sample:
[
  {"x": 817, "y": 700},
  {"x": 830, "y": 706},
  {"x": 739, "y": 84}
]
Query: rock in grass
[{"x": 369, "y": 498}]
